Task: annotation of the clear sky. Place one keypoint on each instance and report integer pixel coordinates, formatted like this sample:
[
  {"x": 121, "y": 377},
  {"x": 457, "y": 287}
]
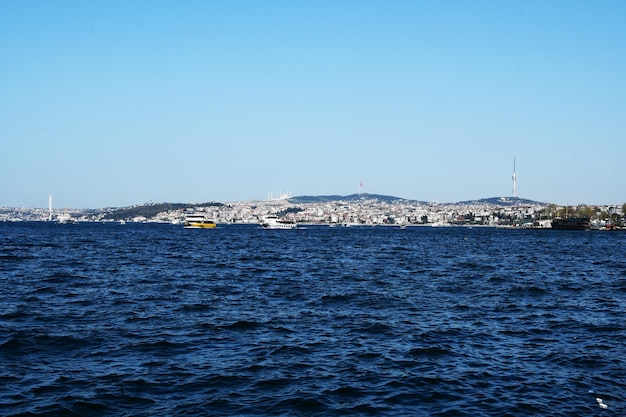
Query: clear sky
[{"x": 114, "y": 103}]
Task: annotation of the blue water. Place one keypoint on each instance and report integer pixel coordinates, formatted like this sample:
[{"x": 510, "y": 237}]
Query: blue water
[{"x": 157, "y": 320}]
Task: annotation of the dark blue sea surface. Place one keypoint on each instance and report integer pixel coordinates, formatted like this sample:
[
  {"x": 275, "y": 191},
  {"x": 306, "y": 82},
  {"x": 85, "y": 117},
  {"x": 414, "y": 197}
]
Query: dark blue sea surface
[{"x": 158, "y": 320}]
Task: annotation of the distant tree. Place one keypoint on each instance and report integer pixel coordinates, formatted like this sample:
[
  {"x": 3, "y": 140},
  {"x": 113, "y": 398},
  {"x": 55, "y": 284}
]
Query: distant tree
[
  {"x": 585, "y": 211},
  {"x": 293, "y": 210}
]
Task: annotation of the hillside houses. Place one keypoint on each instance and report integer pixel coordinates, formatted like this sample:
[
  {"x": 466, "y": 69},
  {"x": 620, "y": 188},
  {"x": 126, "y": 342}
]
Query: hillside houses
[{"x": 364, "y": 210}]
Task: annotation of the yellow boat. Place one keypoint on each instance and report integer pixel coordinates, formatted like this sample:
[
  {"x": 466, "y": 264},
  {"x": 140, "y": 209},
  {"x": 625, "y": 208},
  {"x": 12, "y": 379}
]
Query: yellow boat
[{"x": 199, "y": 221}]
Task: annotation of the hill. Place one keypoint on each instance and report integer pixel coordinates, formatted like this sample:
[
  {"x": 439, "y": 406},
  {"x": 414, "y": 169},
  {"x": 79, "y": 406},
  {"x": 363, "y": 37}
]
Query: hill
[
  {"x": 502, "y": 201},
  {"x": 150, "y": 210},
  {"x": 352, "y": 198}
]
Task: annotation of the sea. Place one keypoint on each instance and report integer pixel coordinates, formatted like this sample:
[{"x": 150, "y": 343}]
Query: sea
[{"x": 159, "y": 320}]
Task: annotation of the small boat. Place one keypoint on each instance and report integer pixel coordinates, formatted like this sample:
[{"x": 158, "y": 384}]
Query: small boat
[
  {"x": 574, "y": 223},
  {"x": 273, "y": 222},
  {"x": 65, "y": 218},
  {"x": 198, "y": 221},
  {"x": 440, "y": 223}
]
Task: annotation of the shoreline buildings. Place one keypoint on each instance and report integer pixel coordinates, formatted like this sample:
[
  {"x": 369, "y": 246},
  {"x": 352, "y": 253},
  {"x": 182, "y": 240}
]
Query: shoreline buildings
[{"x": 364, "y": 209}]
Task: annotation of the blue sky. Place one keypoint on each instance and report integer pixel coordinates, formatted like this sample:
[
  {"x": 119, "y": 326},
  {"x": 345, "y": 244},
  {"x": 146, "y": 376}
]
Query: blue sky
[{"x": 106, "y": 103}]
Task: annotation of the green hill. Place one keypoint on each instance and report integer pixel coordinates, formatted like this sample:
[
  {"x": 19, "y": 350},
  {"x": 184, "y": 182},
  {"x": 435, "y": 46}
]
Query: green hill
[{"x": 151, "y": 210}]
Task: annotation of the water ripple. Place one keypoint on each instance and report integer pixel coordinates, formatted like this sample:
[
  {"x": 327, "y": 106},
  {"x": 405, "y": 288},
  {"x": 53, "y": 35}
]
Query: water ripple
[{"x": 154, "y": 320}]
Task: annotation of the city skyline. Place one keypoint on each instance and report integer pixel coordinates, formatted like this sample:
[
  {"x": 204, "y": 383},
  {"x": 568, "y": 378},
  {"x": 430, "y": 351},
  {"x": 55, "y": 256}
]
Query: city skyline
[
  {"x": 117, "y": 103},
  {"x": 287, "y": 196}
]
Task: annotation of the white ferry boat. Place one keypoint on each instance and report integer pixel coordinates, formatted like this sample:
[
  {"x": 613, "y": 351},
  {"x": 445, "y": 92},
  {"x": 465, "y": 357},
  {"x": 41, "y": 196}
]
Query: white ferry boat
[
  {"x": 65, "y": 218},
  {"x": 273, "y": 222},
  {"x": 198, "y": 221}
]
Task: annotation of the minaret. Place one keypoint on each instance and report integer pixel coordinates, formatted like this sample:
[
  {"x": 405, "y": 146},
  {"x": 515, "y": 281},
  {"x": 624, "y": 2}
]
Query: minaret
[
  {"x": 50, "y": 208},
  {"x": 514, "y": 180}
]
